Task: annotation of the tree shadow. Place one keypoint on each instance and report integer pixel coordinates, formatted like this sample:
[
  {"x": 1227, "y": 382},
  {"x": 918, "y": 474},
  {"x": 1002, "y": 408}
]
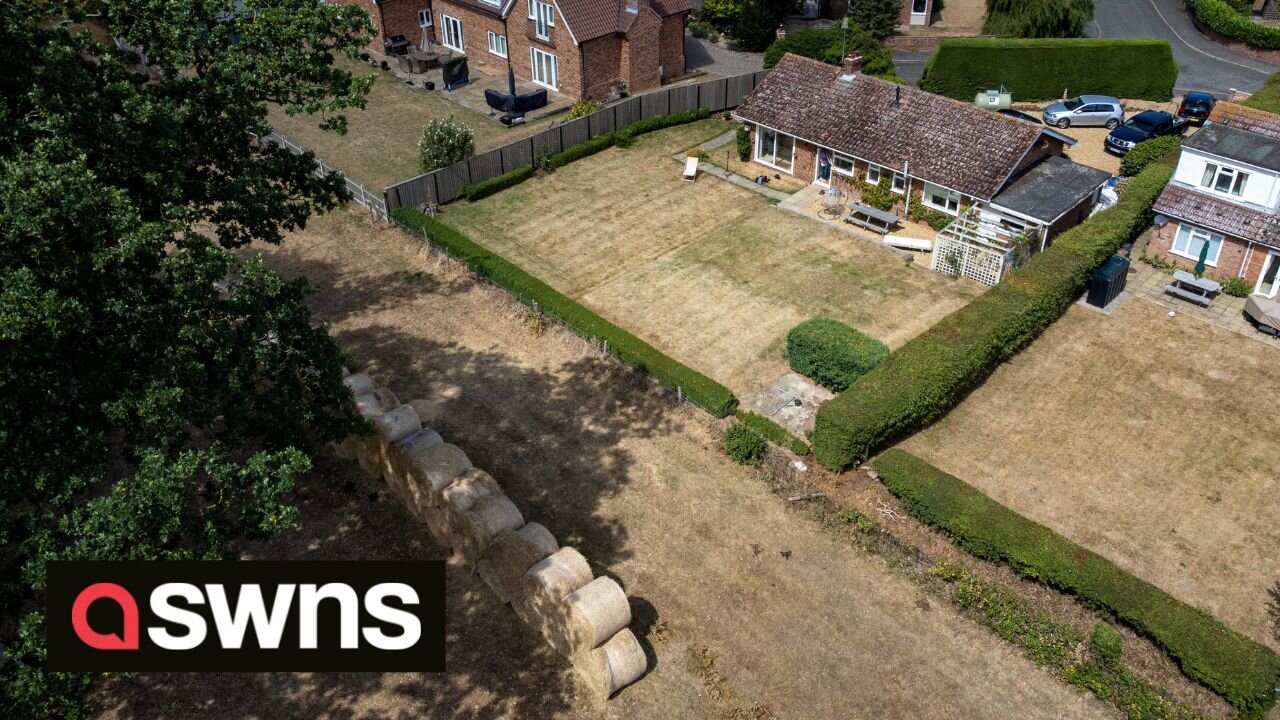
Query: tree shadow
[
  {"x": 553, "y": 436},
  {"x": 1273, "y": 610}
]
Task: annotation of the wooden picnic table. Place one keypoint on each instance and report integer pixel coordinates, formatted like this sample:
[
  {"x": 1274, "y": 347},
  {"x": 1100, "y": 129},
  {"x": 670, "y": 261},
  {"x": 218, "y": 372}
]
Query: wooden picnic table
[
  {"x": 1186, "y": 286},
  {"x": 873, "y": 219}
]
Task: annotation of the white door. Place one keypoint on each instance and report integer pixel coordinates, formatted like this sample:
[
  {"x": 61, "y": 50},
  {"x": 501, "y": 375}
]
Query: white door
[
  {"x": 1269, "y": 281},
  {"x": 544, "y": 68},
  {"x": 451, "y": 33}
]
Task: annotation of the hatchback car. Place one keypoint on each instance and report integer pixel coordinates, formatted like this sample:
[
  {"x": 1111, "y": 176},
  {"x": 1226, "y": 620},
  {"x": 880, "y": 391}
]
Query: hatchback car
[
  {"x": 1196, "y": 107},
  {"x": 1096, "y": 110}
]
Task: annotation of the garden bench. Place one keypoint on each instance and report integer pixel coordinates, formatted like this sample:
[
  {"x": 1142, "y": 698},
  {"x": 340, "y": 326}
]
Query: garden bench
[
  {"x": 873, "y": 219},
  {"x": 1186, "y": 286}
]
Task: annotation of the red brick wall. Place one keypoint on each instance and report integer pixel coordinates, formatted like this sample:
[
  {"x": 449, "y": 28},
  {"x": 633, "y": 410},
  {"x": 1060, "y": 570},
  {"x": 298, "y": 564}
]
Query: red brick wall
[
  {"x": 639, "y": 67},
  {"x": 521, "y": 36},
  {"x": 400, "y": 17},
  {"x": 1229, "y": 260},
  {"x": 671, "y": 46},
  {"x": 602, "y": 59},
  {"x": 476, "y": 26}
]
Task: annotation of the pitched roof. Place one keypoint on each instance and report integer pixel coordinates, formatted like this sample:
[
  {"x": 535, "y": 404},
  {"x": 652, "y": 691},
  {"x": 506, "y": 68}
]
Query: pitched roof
[
  {"x": 1246, "y": 118},
  {"x": 495, "y": 9},
  {"x": 1236, "y": 144},
  {"x": 946, "y": 142},
  {"x": 1224, "y": 216},
  {"x": 1050, "y": 189},
  {"x": 591, "y": 19},
  {"x": 667, "y": 8}
]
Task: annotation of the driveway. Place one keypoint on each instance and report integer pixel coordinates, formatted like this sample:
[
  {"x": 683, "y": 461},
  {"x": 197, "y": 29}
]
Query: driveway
[{"x": 713, "y": 59}]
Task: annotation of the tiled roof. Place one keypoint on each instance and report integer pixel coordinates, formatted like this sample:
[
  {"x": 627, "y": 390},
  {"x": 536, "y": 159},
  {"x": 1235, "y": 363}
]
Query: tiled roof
[
  {"x": 1246, "y": 118},
  {"x": 946, "y": 142},
  {"x": 667, "y": 8},
  {"x": 590, "y": 19},
  {"x": 483, "y": 6},
  {"x": 1224, "y": 216}
]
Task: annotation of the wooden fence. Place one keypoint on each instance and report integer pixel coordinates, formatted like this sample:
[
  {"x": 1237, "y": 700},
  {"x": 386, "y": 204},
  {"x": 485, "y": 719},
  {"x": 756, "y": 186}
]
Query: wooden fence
[{"x": 445, "y": 185}]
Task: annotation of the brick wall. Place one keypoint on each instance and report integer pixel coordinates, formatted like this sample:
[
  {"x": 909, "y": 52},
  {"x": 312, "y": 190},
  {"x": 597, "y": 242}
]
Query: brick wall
[
  {"x": 640, "y": 66},
  {"x": 522, "y": 36},
  {"x": 1229, "y": 260},
  {"x": 400, "y": 17},
  {"x": 602, "y": 59},
  {"x": 671, "y": 46},
  {"x": 476, "y": 26}
]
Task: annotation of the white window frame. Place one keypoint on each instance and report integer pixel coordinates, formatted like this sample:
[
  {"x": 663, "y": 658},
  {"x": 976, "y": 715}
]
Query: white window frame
[
  {"x": 1272, "y": 257},
  {"x": 444, "y": 33},
  {"x": 534, "y": 67},
  {"x": 899, "y": 184},
  {"x": 1188, "y": 234},
  {"x": 791, "y": 161},
  {"x": 922, "y": 12},
  {"x": 543, "y": 15},
  {"x": 837, "y": 158},
  {"x": 424, "y": 18},
  {"x": 951, "y": 196},
  {"x": 873, "y": 173},
  {"x": 1236, "y": 183},
  {"x": 497, "y": 44}
]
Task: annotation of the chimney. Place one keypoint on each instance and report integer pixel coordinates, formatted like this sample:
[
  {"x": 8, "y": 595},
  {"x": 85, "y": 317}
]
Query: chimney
[{"x": 852, "y": 64}]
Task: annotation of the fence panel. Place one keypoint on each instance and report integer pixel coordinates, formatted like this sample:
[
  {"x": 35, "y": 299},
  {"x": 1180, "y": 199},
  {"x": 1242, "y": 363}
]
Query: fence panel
[
  {"x": 517, "y": 154},
  {"x": 653, "y": 105},
  {"x": 740, "y": 87},
  {"x": 601, "y": 122},
  {"x": 575, "y": 132},
  {"x": 711, "y": 95},
  {"x": 549, "y": 139},
  {"x": 627, "y": 111},
  {"x": 684, "y": 99},
  {"x": 449, "y": 182},
  {"x": 483, "y": 167}
]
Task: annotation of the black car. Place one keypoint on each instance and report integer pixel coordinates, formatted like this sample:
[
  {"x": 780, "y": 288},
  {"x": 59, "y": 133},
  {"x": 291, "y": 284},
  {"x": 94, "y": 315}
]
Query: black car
[
  {"x": 1020, "y": 116},
  {"x": 1196, "y": 107},
  {"x": 1143, "y": 126}
]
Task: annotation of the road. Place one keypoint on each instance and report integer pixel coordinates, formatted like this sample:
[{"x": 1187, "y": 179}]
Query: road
[{"x": 1202, "y": 63}]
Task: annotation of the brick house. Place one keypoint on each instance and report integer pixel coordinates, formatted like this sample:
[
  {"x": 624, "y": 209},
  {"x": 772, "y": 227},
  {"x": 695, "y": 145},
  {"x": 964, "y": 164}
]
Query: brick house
[
  {"x": 580, "y": 48},
  {"x": 840, "y": 128},
  {"x": 1225, "y": 193}
]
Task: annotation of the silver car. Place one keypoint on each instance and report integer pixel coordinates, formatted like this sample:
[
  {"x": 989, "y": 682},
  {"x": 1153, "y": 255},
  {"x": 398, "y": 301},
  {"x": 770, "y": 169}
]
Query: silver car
[{"x": 1085, "y": 110}]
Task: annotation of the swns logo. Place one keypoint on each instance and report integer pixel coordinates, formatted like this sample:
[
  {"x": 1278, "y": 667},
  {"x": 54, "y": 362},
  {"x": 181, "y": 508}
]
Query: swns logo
[{"x": 246, "y": 616}]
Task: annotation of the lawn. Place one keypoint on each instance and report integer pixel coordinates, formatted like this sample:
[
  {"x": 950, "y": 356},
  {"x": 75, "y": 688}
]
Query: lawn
[
  {"x": 1145, "y": 438},
  {"x": 381, "y": 144},
  {"x": 708, "y": 272}
]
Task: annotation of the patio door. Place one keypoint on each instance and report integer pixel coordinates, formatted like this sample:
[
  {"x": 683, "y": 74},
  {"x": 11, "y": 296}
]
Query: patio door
[
  {"x": 545, "y": 70},
  {"x": 1269, "y": 281},
  {"x": 451, "y": 33}
]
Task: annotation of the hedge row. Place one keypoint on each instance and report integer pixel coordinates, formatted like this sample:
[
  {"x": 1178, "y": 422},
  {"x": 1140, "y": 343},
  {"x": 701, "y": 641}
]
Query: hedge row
[
  {"x": 485, "y": 188},
  {"x": 1222, "y": 18},
  {"x": 831, "y": 353},
  {"x": 773, "y": 432},
  {"x": 624, "y": 136},
  {"x": 1041, "y": 69},
  {"x": 697, "y": 388},
  {"x": 1147, "y": 152},
  {"x": 1244, "y": 672},
  {"x": 932, "y": 372}
]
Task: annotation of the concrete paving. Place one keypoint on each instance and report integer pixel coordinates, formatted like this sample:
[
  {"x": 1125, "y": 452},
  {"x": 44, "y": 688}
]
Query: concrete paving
[
  {"x": 1225, "y": 311},
  {"x": 715, "y": 60}
]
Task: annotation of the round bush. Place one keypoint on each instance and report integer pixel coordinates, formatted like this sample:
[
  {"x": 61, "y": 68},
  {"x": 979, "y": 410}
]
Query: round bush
[
  {"x": 743, "y": 444},
  {"x": 583, "y": 108},
  {"x": 444, "y": 142},
  {"x": 832, "y": 353}
]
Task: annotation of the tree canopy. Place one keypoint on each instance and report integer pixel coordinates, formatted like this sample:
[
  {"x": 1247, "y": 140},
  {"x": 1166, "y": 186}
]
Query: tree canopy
[
  {"x": 1037, "y": 18},
  {"x": 161, "y": 392}
]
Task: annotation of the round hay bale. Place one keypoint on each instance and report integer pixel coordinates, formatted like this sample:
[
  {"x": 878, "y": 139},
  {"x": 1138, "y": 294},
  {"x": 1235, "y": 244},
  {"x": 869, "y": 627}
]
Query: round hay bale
[
  {"x": 471, "y": 531},
  {"x": 359, "y": 384},
  {"x": 436, "y": 518},
  {"x": 614, "y": 665},
  {"x": 396, "y": 424},
  {"x": 468, "y": 489},
  {"x": 434, "y": 468},
  {"x": 596, "y": 612},
  {"x": 438, "y": 513},
  {"x": 408, "y": 447},
  {"x": 544, "y": 589},
  {"x": 386, "y": 398},
  {"x": 368, "y": 405},
  {"x": 511, "y": 554}
]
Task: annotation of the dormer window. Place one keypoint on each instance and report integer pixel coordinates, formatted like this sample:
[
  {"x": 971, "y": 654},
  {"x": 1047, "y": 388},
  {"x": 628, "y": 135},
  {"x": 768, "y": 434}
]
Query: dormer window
[{"x": 1226, "y": 180}]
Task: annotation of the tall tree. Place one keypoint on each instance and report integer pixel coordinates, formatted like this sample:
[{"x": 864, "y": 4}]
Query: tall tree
[
  {"x": 1038, "y": 18},
  {"x": 879, "y": 18},
  {"x": 161, "y": 393}
]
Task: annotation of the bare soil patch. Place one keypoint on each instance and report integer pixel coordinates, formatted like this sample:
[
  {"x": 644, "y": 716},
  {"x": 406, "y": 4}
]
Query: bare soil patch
[
  {"x": 750, "y": 609},
  {"x": 1144, "y": 438},
  {"x": 708, "y": 272}
]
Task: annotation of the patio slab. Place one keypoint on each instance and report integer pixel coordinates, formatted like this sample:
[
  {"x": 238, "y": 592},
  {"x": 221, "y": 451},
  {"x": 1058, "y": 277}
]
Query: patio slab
[
  {"x": 1225, "y": 311},
  {"x": 778, "y": 403}
]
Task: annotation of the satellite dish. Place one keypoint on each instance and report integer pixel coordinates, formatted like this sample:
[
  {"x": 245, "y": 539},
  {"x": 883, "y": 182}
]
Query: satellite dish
[{"x": 1161, "y": 220}]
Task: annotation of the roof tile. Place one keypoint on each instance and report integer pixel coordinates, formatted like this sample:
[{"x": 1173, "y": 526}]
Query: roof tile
[
  {"x": 1246, "y": 118},
  {"x": 1224, "y": 216}
]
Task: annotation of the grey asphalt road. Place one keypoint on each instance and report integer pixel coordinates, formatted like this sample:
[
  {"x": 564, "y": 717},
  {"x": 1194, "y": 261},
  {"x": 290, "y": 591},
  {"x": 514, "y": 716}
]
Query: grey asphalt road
[{"x": 1202, "y": 63}]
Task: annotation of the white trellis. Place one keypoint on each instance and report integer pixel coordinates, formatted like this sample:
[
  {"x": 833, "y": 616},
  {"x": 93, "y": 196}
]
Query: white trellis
[{"x": 977, "y": 245}]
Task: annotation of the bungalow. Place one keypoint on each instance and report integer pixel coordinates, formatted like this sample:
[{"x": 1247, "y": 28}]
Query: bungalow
[
  {"x": 580, "y": 48},
  {"x": 1225, "y": 194},
  {"x": 1003, "y": 179}
]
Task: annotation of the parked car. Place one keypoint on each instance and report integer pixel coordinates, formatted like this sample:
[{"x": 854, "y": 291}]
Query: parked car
[
  {"x": 1020, "y": 116},
  {"x": 1196, "y": 107},
  {"x": 1143, "y": 126},
  {"x": 1095, "y": 110}
]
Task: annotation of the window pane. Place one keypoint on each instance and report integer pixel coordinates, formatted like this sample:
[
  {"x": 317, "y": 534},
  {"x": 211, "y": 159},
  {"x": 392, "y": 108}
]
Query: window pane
[
  {"x": 1181, "y": 241},
  {"x": 1238, "y": 187},
  {"x": 1223, "y": 183},
  {"x": 899, "y": 182},
  {"x": 1210, "y": 171},
  {"x": 873, "y": 173}
]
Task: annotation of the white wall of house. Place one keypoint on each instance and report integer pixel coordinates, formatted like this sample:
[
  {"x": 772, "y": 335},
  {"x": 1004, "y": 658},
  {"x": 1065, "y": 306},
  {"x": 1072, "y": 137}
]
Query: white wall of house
[{"x": 1261, "y": 188}]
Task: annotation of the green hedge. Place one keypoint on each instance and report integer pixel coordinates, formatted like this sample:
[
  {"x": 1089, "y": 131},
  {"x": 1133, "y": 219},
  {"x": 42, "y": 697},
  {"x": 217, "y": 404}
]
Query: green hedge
[
  {"x": 485, "y": 188},
  {"x": 743, "y": 445},
  {"x": 832, "y": 353},
  {"x": 1244, "y": 672},
  {"x": 1141, "y": 68},
  {"x": 1147, "y": 152},
  {"x": 773, "y": 432},
  {"x": 697, "y": 388},
  {"x": 1220, "y": 17},
  {"x": 624, "y": 136},
  {"x": 932, "y": 372}
]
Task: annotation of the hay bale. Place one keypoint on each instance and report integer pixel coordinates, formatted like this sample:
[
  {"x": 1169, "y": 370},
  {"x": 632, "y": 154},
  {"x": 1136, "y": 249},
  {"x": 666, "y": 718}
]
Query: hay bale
[
  {"x": 386, "y": 398},
  {"x": 409, "y": 447},
  {"x": 368, "y": 405},
  {"x": 471, "y": 531},
  {"x": 436, "y": 518},
  {"x": 359, "y": 384},
  {"x": 511, "y": 554},
  {"x": 438, "y": 513},
  {"x": 596, "y": 612},
  {"x": 543, "y": 591},
  {"x": 434, "y": 468},
  {"x": 396, "y": 424},
  {"x": 469, "y": 488},
  {"x": 614, "y": 665}
]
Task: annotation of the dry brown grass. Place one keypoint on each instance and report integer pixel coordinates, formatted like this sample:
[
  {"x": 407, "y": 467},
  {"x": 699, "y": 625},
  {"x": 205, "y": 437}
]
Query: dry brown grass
[
  {"x": 641, "y": 488},
  {"x": 1146, "y": 438},
  {"x": 380, "y": 147},
  {"x": 708, "y": 272}
]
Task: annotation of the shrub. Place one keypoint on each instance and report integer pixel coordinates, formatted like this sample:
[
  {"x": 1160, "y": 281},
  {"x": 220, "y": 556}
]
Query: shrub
[
  {"x": 1141, "y": 68},
  {"x": 1222, "y": 18},
  {"x": 1244, "y": 672},
  {"x": 1147, "y": 152},
  {"x": 713, "y": 37},
  {"x": 696, "y": 153},
  {"x": 927, "y": 376},
  {"x": 773, "y": 432},
  {"x": 485, "y": 188},
  {"x": 743, "y": 444},
  {"x": 743, "y": 137},
  {"x": 880, "y": 195},
  {"x": 1037, "y": 18},
  {"x": 697, "y": 388},
  {"x": 1106, "y": 643},
  {"x": 444, "y": 142},
  {"x": 583, "y": 108},
  {"x": 601, "y": 142},
  {"x": 832, "y": 353},
  {"x": 1236, "y": 287},
  {"x": 827, "y": 46},
  {"x": 626, "y": 135}
]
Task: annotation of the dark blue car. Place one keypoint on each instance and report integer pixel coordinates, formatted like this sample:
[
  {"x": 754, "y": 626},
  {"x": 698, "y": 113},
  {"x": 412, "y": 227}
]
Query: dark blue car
[
  {"x": 1196, "y": 107},
  {"x": 1143, "y": 126}
]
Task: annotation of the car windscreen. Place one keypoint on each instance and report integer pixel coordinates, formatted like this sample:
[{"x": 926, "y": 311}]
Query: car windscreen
[
  {"x": 1072, "y": 104},
  {"x": 1139, "y": 124},
  {"x": 1195, "y": 104}
]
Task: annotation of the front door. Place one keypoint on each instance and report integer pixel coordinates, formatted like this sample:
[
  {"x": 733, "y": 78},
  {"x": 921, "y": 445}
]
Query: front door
[{"x": 1269, "y": 281}]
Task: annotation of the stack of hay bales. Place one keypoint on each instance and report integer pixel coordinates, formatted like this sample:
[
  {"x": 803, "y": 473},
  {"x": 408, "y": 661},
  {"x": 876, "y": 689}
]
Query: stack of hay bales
[{"x": 551, "y": 588}]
